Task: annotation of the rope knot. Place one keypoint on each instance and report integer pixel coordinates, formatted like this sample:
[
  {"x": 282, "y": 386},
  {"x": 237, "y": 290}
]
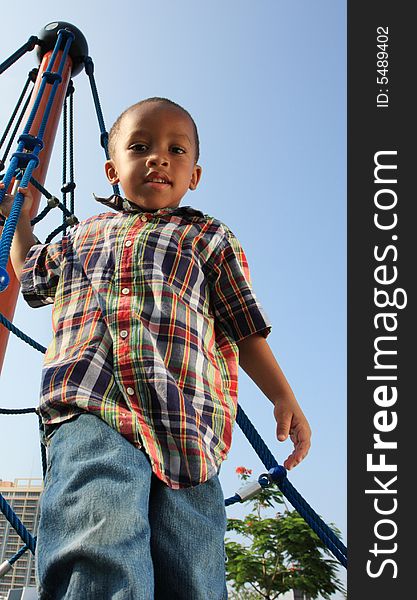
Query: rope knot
[
  {"x": 68, "y": 187},
  {"x": 32, "y": 41},
  {"x": 89, "y": 65},
  {"x": 70, "y": 88},
  {"x": 278, "y": 473},
  {"x": 30, "y": 142},
  {"x": 24, "y": 158},
  {"x": 71, "y": 220},
  {"x": 51, "y": 77},
  {"x": 53, "y": 202},
  {"x": 104, "y": 140},
  {"x": 33, "y": 73}
]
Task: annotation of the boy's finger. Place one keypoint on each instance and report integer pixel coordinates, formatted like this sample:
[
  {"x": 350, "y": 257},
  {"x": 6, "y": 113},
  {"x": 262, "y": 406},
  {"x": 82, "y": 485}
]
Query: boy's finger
[
  {"x": 283, "y": 427},
  {"x": 301, "y": 438},
  {"x": 299, "y": 454}
]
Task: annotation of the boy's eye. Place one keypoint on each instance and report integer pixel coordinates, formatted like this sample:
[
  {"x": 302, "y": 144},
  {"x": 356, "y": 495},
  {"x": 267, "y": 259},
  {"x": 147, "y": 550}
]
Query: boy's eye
[
  {"x": 177, "y": 150},
  {"x": 138, "y": 147}
]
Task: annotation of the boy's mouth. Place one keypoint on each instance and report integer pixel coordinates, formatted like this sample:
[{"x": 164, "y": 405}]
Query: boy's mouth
[{"x": 157, "y": 178}]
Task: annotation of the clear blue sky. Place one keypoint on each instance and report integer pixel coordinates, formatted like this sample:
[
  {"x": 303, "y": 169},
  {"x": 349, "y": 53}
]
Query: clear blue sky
[{"x": 266, "y": 84}]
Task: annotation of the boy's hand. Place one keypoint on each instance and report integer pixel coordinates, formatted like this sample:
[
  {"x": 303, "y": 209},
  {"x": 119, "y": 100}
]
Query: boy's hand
[
  {"x": 258, "y": 361},
  {"x": 7, "y": 203},
  {"x": 292, "y": 422}
]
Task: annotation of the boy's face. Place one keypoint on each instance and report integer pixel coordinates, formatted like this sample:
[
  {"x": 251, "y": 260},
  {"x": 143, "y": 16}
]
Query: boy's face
[{"x": 154, "y": 156}]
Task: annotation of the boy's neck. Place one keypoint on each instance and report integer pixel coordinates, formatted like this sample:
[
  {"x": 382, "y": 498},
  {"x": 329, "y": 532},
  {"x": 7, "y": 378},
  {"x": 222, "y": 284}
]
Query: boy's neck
[
  {"x": 120, "y": 203},
  {"x": 149, "y": 210}
]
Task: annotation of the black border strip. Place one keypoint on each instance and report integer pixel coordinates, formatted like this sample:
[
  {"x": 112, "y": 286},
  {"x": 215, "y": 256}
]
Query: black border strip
[{"x": 381, "y": 350}]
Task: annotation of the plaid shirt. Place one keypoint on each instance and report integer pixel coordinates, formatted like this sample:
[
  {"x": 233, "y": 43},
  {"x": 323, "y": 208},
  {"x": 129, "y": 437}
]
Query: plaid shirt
[{"x": 148, "y": 307}]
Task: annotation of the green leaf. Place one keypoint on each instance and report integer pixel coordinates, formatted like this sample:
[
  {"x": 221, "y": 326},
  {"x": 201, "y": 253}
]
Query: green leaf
[{"x": 280, "y": 553}]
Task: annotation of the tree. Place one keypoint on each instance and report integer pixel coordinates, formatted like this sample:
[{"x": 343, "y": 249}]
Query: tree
[{"x": 280, "y": 553}]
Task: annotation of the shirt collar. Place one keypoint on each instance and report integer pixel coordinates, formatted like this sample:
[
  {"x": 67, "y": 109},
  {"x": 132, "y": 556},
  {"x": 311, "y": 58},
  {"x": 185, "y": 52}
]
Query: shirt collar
[{"x": 124, "y": 205}]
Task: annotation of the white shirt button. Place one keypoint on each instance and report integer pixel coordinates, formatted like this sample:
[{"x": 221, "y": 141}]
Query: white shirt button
[
  {"x": 124, "y": 333},
  {"x": 125, "y": 291},
  {"x": 144, "y": 218},
  {"x": 128, "y": 243},
  {"x": 130, "y": 391}
]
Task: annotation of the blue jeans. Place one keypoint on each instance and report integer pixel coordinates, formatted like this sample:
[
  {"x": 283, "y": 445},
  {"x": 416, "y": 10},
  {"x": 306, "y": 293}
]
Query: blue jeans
[{"x": 109, "y": 529}]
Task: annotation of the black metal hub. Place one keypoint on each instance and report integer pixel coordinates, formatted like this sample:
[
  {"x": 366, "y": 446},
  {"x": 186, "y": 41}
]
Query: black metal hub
[{"x": 79, "y": 48}]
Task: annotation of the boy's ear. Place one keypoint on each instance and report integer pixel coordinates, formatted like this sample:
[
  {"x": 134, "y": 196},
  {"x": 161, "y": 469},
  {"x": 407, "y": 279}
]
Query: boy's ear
[
  {"x": 111, "y": 172},
  {"x": 195, "y": 178}
]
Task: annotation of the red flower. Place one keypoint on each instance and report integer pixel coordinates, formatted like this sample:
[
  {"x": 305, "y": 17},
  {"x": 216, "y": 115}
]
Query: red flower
[{"x": 243, "y": 471}]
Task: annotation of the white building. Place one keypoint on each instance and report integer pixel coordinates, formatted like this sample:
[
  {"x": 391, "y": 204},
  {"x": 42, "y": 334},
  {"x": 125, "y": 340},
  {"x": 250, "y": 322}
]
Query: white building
[{"x": 23, "y": 496}]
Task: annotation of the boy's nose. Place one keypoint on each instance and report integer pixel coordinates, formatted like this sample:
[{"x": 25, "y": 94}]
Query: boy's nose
[{"x": 157, "y": 159}]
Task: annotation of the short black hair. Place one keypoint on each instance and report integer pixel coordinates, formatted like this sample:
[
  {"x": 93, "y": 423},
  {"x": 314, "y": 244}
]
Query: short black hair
[{"x": 116, "y": 125}]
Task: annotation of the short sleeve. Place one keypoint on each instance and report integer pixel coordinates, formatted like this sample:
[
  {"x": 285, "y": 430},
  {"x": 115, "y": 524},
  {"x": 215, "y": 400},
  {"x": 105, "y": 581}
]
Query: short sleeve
[
  {"x": 234, "y": 302},
  {"x": 41, "y": 272}
]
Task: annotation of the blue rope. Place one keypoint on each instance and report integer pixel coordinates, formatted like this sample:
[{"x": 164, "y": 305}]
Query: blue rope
[
  {"x": 8, "y": 564},
  {"x": 40, "y": 187},
  {"x": 255, "y": 439},
  {"x": 11, "y": 223},
  {"x": 14, "y": 132},
  {"x": 6, "y": 323},
  {"x": 43, "y": 448},
  {"x": 40, "y": 216},
  {"x": 64, "y": 161},
  {"x": 18, "y": 554},
  {"x": 17, "y": 524},
  {"x": 279, "y": 475},
  {"x": 104, "y": 136},
  {"x": 17, "y": 411},
  {"x": 60, "y": 228},
  {"x": 71, "y": 150},
  {"x": 89, "y": 69},
  {"x": 232, "y": 500},
  {"x": 55, "y": 202},
  {"x": 57, "y": 77},
  {"x": 15, "y": 111},
  {"x": 27, "y": 47},
  {"x": 327, "y": 536},
  {"x": 47, "y": 77},
  {"x": 30, "y": 159}
]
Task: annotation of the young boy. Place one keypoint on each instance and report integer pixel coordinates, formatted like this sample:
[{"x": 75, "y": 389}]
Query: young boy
[{"x": 153, "y": 313}]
